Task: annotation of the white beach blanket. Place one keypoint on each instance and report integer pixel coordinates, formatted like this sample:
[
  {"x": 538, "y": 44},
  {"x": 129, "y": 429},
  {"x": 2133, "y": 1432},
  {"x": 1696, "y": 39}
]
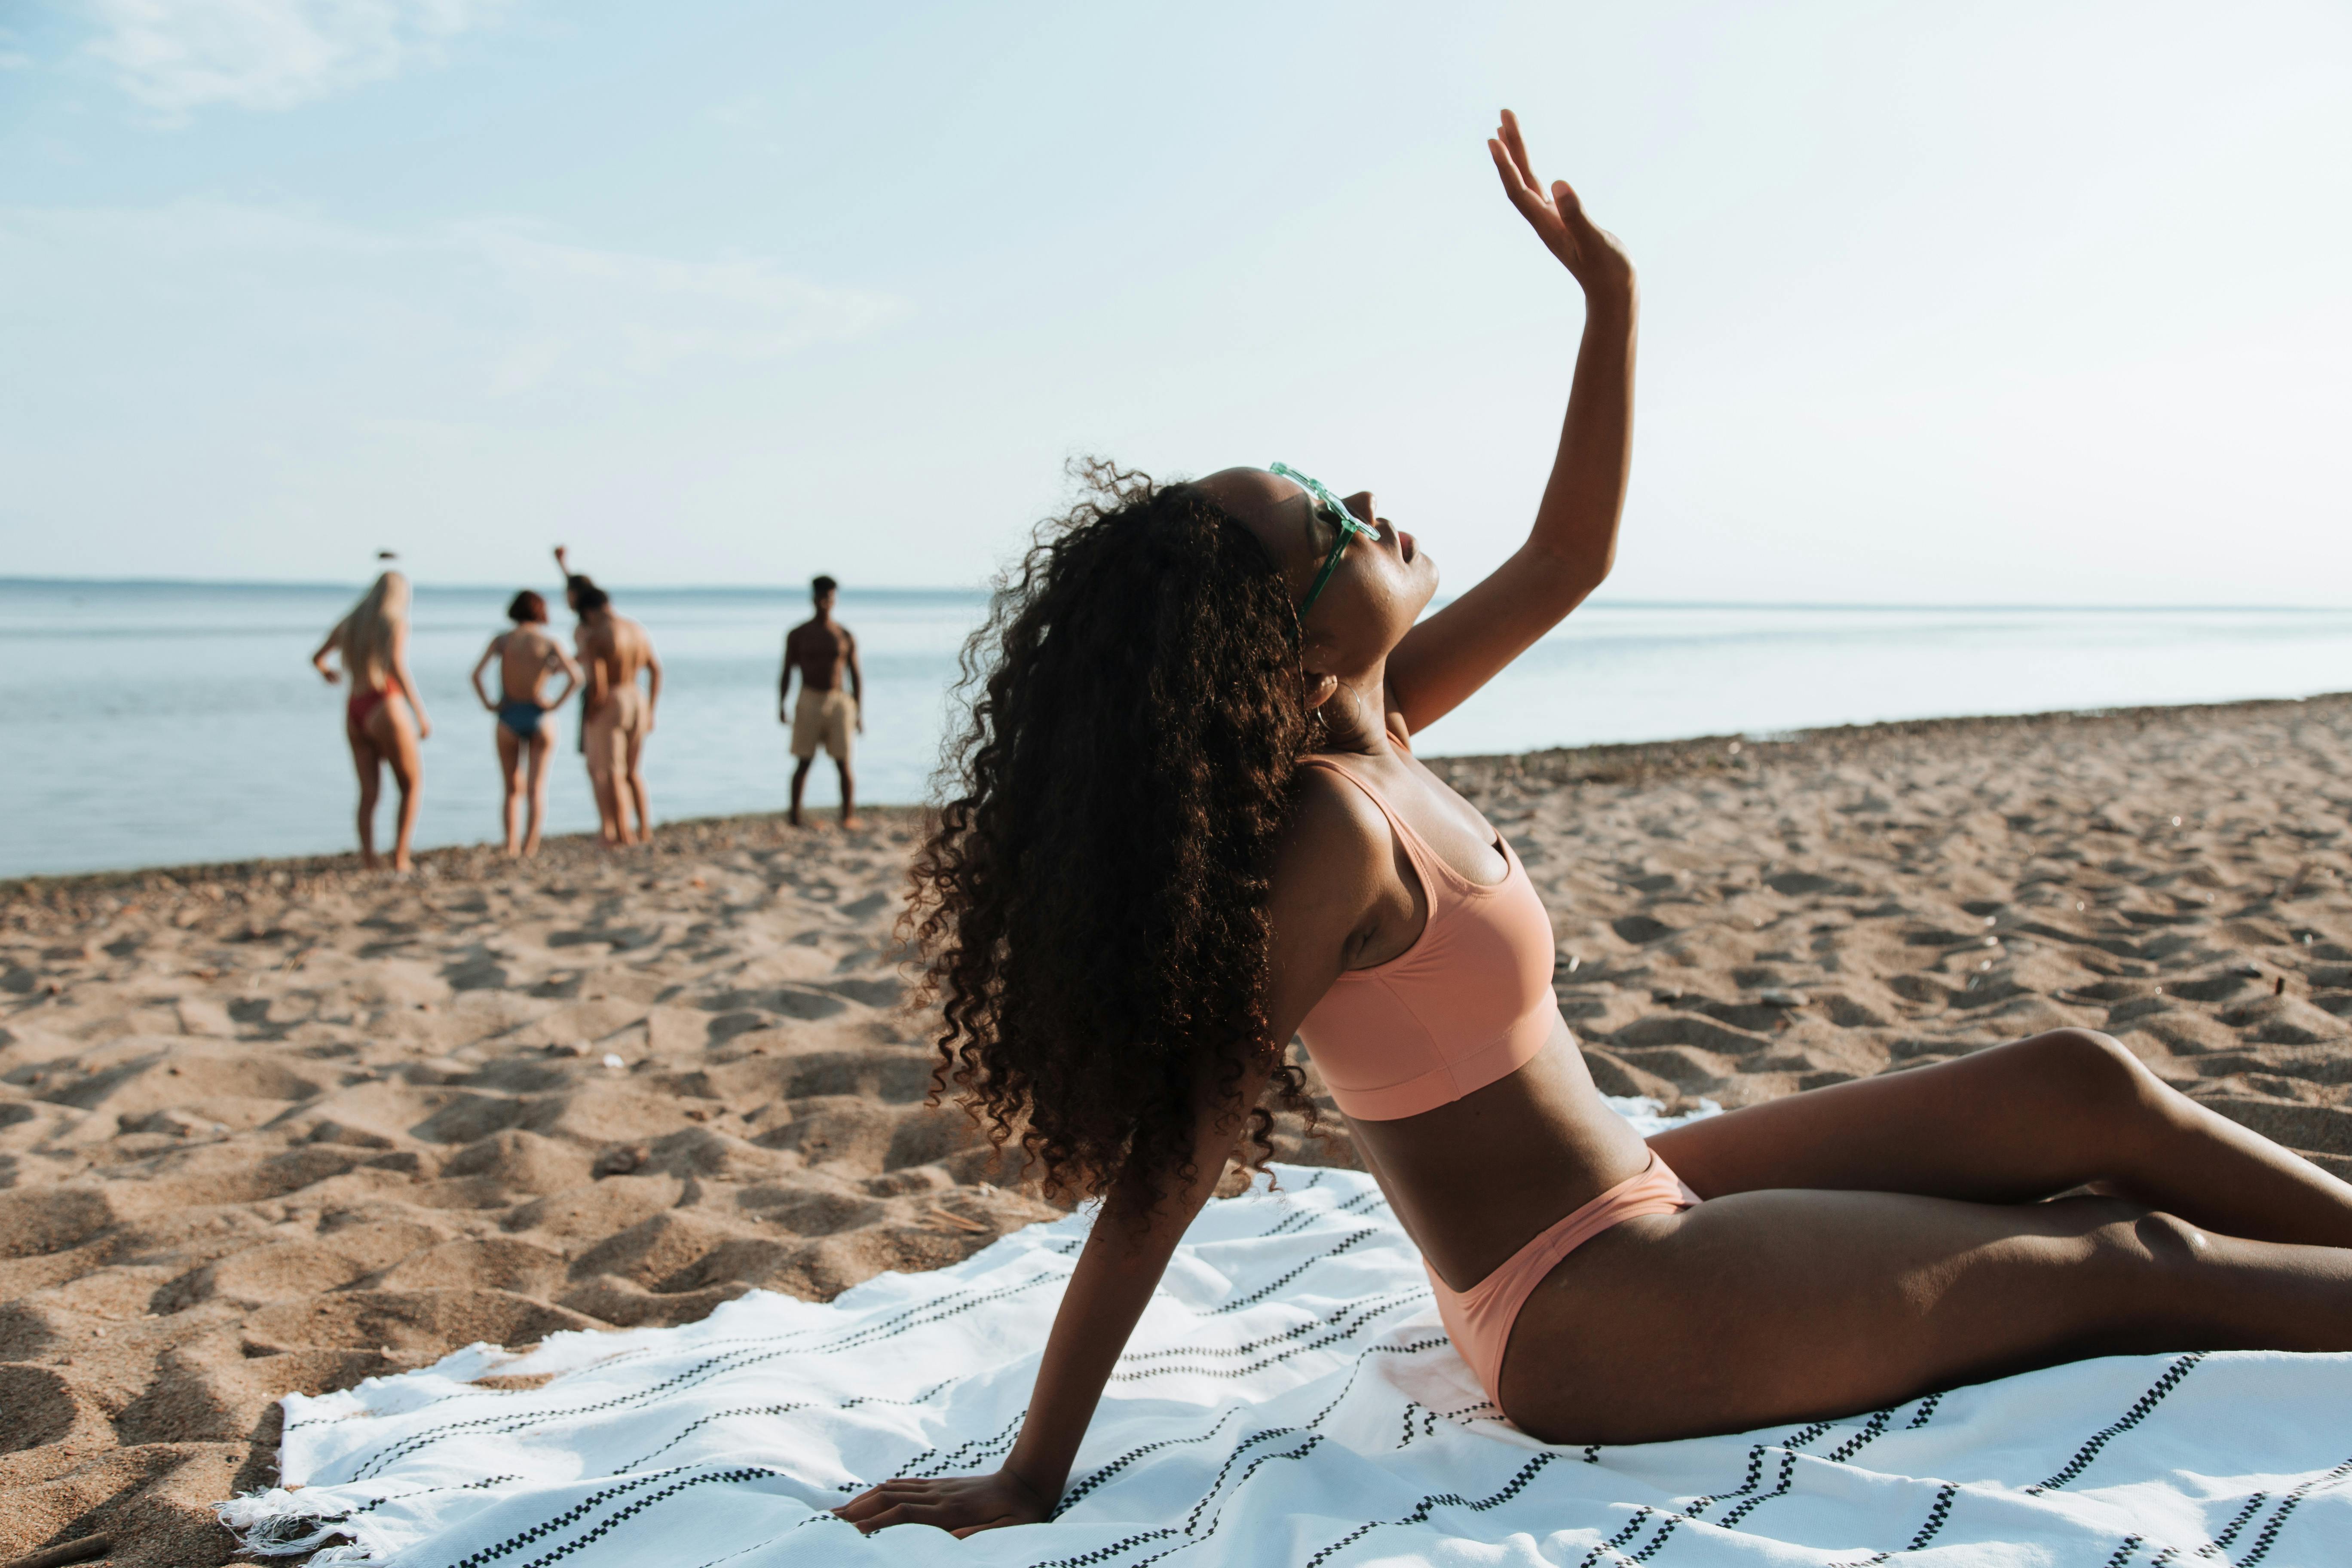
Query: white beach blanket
[{"x": 1289, "y": 1399}]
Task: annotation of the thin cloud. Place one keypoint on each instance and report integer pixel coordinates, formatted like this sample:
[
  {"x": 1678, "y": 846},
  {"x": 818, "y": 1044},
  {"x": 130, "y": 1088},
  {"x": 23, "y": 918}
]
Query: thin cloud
[
  {"x": 610, "y": 314},
  {"x": 508, "y": 309},
  {"x": 176, "y": 56}
]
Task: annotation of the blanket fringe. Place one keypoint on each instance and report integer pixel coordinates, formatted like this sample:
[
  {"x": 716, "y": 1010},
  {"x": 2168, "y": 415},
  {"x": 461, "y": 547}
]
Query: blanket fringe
[{"x": 278, "y": 1523}]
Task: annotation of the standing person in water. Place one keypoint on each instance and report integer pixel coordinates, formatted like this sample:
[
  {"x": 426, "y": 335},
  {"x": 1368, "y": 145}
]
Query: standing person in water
[
  {"x": 384, "y": 720},
  {"x": 575, "y": 584},
  {"x": 526, "y": 657},
  {"x": 823, "y": 650},
  {"x": 615, "y": 650},
  {"x": 1190, "y": 821}
]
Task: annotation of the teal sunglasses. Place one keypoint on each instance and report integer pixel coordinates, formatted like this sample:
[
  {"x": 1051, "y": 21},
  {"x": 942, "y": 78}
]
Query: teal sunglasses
[{"x": 1348, "y": 524}]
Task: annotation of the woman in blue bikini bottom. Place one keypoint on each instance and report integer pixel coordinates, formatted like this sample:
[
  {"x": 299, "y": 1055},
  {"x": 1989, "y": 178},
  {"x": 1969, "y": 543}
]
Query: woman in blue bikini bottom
[
  {"x": 520, "y": 716},
  {"x": 526, "y": 657}
]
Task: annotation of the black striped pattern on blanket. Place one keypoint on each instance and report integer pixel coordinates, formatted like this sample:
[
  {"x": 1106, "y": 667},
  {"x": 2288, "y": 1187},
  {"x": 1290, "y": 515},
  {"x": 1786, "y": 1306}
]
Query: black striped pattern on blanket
[{"x": 1289, "y": 1398}]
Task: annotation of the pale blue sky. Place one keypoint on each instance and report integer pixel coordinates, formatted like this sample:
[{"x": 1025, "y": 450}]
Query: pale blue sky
[{"x": 1990, "y": 302}]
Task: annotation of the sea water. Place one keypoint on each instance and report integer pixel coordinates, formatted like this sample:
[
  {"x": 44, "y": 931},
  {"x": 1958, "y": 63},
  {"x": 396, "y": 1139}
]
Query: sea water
[{"x": 153, "y": 724}]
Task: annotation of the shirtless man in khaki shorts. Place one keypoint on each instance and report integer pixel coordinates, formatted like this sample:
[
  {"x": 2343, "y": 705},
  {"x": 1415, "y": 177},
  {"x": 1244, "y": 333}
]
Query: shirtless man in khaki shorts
[
  {"x": 614, "y": 650},
  {"x": 821, "y": 649}
]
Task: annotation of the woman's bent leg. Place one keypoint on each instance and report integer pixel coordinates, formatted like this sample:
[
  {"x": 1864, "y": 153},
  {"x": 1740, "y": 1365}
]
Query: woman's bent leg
[
  {"x": 2018, "y": 1123},
  {"x": 1792, "y": 1305}
]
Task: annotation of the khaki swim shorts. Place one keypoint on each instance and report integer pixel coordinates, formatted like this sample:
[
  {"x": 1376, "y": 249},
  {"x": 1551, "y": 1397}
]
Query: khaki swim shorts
[
  {"x": 823, "y": 718},
  {"x": 616, "y": 733}
]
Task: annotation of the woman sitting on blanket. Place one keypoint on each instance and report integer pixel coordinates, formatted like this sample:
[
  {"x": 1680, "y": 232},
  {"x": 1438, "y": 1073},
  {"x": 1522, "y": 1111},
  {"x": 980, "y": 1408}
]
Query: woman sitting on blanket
[{"x": 1191, "y": 824}]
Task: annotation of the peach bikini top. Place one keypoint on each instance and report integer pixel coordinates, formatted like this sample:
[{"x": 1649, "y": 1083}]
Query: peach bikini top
[{"x": 1467, "y": 1003}]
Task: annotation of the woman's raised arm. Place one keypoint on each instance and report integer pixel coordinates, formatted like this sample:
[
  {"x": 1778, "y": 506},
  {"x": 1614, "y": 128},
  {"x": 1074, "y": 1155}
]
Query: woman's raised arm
[{"x": 1574, "y": 541}]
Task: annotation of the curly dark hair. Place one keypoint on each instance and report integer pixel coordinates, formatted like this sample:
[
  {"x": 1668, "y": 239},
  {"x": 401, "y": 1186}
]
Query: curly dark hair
[{"x": 1089, "y": 905}]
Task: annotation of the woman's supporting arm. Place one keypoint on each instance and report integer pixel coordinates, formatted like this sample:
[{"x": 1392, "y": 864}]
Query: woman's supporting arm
[
  {"x": 1121, "y": 1266},
  {"x": 1323, "y": 889},
  {"x": 1573, "y": 543},
  {"x": 319, "y": 655},
  {"x": 1117, "y": 1273}
]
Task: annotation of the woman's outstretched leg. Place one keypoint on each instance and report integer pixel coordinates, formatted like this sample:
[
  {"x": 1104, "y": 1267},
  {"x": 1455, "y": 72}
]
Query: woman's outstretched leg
[
  {"x": 2015, "y": 1123},
  {"x": 511, "y": 747},
  {"x": 1786, "y": 1305}
]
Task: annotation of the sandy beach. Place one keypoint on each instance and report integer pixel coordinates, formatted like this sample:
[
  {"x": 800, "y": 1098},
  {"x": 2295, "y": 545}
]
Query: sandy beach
[{"x": 284, "y": 1126}]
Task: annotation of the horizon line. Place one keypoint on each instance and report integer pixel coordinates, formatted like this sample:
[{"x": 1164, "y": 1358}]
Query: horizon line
[{"x": 982, "y": 591}]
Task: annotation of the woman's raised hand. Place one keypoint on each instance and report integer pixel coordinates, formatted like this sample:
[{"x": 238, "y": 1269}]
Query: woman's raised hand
[
  {"x": 960, "y": 1505},
  {"x": 1591, "y": 255}
]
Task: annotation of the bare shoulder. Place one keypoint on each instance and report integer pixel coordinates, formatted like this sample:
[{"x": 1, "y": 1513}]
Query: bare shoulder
[
  {"x": 1330, "y": 886},
  {"x": 1336, "y": 841}
]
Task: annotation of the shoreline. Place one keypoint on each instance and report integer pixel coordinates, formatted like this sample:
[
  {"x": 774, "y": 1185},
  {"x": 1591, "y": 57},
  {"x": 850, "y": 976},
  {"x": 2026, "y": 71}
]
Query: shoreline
[
  {"x": 1605, "y": 762},
  {"x": 689, "y": 835}
]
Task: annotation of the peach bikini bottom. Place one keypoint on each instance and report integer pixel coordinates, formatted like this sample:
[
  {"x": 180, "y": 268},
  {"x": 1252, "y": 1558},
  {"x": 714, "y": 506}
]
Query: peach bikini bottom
[{"x": 1478, "y": 1320}]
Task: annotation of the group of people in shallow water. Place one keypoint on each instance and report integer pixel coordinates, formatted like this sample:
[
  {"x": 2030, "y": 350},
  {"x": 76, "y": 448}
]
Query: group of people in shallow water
[{"x": 612, "y": 665}]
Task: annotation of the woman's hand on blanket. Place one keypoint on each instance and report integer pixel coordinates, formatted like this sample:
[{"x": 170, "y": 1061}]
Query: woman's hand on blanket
[
  {"x": 1591, "y": 254},
  {"x": 960, "y": 1505}
]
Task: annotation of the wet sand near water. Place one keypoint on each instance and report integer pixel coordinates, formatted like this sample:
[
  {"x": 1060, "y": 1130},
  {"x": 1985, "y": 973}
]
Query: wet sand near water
[{"x": 287, "y": 1125}]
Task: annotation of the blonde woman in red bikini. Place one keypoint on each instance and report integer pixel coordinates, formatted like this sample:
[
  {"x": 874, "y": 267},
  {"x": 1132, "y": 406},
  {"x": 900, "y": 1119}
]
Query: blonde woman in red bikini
[
  {"x": 383, "y": 717},
  {"x": 1191, "y": 823}
]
